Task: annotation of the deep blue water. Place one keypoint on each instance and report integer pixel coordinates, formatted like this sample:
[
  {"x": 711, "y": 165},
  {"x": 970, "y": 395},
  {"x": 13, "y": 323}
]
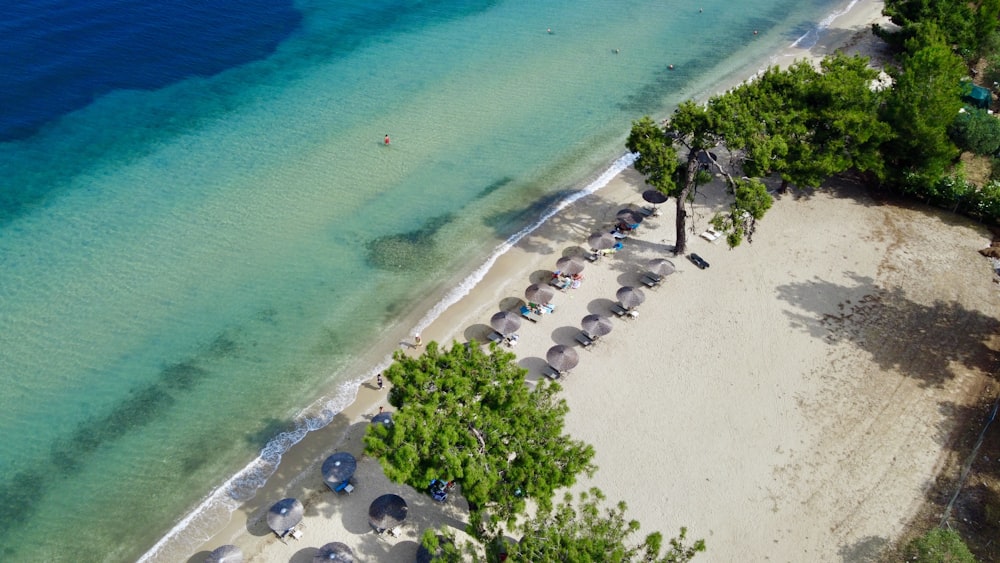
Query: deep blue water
[{"x": 57, "y": 56}]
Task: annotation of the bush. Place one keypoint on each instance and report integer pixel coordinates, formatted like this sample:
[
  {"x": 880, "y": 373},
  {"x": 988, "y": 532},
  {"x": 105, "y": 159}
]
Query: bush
[
  {"x": 977, "y": 131},
  {"x": 939, "y": 546}
]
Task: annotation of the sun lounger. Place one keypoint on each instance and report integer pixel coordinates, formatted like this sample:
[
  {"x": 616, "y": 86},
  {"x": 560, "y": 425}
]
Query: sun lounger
[
  {"x": 584, "y": 340},
  {"x": 711, "y": 235},
  {"x": 560, "y": 283},
  {"x": 496, "y": 337},
  {"x": 623, "y": 313},
  {"x": 526, "y": 313},
  {"x": 551, "y": 372},
  {"x": 649, "y": 281},
  {"x": 594, "y": 257}
]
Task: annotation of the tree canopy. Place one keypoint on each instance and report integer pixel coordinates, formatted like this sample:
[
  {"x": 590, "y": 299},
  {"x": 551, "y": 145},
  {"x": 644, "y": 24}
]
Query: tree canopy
[
  {"x": 467, "y": 415},
  {"x": 582, "y": 531},
  {"x": 967, "y": 26},
  {"x": 923, "y": 103},
  {"x": 589, "y": 533}
]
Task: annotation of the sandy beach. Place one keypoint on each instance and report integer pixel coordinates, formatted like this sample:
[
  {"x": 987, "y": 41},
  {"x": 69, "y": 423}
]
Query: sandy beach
[{"x": 791, "y": 402}]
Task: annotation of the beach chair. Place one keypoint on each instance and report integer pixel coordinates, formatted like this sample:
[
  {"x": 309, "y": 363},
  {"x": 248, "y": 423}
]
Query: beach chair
[
  {"x": 650, "y": 281},
  {"x": 526, "y": 313},
  {"x": 584, "y": 339},
  {"x": 623, "y": 313},
  {"x": 345, "y": 487},
  {"x": 496, "y": 337},
  {"x": 551, "y": 372}
]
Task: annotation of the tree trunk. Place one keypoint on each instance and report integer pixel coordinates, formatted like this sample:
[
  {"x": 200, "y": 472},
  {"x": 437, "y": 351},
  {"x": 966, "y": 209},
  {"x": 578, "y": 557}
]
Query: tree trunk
[
  {"x": 689, "y": 178},
  {"x": 680, "y": 246}
]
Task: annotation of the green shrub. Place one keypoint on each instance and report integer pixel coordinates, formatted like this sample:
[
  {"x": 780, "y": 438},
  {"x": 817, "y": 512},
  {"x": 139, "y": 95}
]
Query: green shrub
[{"x": 939, "y": 546}]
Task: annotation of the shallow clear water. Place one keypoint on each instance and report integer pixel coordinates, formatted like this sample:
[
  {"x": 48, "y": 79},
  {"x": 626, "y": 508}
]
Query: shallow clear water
[{"x": 186, "y": 266}]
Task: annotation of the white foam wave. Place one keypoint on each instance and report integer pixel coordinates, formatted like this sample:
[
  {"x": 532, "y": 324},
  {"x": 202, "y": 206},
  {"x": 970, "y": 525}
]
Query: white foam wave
[
  {"x": 809, "y": 39},
  {"x": 215, "y": 510},
  {"x": 463, "y": 288}
]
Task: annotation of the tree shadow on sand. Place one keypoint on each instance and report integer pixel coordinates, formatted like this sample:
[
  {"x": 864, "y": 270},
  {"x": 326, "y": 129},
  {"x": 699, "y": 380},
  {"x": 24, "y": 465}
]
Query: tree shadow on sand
[{"x": 924, "y": 342}]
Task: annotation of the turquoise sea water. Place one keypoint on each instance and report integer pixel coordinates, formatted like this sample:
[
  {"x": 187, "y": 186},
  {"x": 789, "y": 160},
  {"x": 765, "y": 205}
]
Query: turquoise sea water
[{"x": 189, "y": 269}]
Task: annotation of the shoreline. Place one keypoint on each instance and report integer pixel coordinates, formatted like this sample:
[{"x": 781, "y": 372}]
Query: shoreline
[{"x": 465, "y": 312}]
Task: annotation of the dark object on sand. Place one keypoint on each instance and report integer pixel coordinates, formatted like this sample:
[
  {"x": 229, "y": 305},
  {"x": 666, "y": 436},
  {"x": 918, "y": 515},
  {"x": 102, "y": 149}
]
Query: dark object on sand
[{"x": 698, "y": 261}]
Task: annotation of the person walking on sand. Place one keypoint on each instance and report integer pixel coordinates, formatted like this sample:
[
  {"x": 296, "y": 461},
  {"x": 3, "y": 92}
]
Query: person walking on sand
[
  {"x": 416, "y": 341},
  {"x": 387, "y": 139},
  {"x": 378, "y": 379},
  {"x": 380, "y": 409}
]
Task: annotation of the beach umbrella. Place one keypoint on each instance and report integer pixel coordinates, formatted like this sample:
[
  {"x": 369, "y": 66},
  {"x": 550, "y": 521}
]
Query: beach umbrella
[
  {"x": 334, "y": 551},
  {"x": 386, "y": 512},
  {"x": 225, "y": 554},
  {"x": 284, "y": 515},
  {"x": 655, "y": 197},
  {"x": 629, "y": 217},
  {"x": 569, "y": 265},
  {"x": 562, "y": 357},
  {"x": 505, "y": 322},
  {"x": 338, "y": 468},
  {"x": 630, "y": 296},
  {"x": 661, "y": 266},
  {"x": 596, "y": 325},
  {"x": 383, "y": 418},
  {"x": 540, "y": 294},
  {"x": 601, "y": 241}
]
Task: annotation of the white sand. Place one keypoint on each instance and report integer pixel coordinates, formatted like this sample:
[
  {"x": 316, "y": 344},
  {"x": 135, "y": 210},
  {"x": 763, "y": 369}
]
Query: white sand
[{"x": 789, "y": 403}]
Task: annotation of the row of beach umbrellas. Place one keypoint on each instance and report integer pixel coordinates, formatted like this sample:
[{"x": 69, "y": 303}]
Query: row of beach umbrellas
[{"x": 333, "y": 551}]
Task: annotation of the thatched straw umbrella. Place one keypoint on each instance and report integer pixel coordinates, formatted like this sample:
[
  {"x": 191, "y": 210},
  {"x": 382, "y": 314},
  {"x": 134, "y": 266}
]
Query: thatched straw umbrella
[
  {"x": 334, "y": 551},
  {"x": 225, "y": 554},
  {"x": 630, "y": 296},
  {"x": 655, "y": 197},
  {"x": 540, "y": 294},
  {"x": 601, "y": 241},
  {"x": 569, "y": 265},
  {"x": 386, "y": 512},
  {"x": 383, "y": 418},
  {"x": 338, "y": 468},
  {"x": 505, "y": 322},
  {"x": 596, "y": 325},
  {"x": 562, "y": 358},
  {"x": 629, "y": 217},
  {"x": 662, "y": 266},
  {"x": 284, "y": 515}
]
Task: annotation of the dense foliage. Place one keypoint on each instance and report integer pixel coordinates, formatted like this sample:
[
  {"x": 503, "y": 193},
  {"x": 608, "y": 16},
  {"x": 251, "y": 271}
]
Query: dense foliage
[
  {"x": 586, "y": 533},
  {"x": 976, "y": 131},
  {"x": 921, "y": 106},
  {"x": 466, "y": 415},
  {"x": 580, "y": 532},
  {"x": 968, "y": 26}
]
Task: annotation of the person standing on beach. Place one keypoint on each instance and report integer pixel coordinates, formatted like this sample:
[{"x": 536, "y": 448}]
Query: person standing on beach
[
  {"x": 416, "y": 341},
  {"x": 378, "y": 379}
]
